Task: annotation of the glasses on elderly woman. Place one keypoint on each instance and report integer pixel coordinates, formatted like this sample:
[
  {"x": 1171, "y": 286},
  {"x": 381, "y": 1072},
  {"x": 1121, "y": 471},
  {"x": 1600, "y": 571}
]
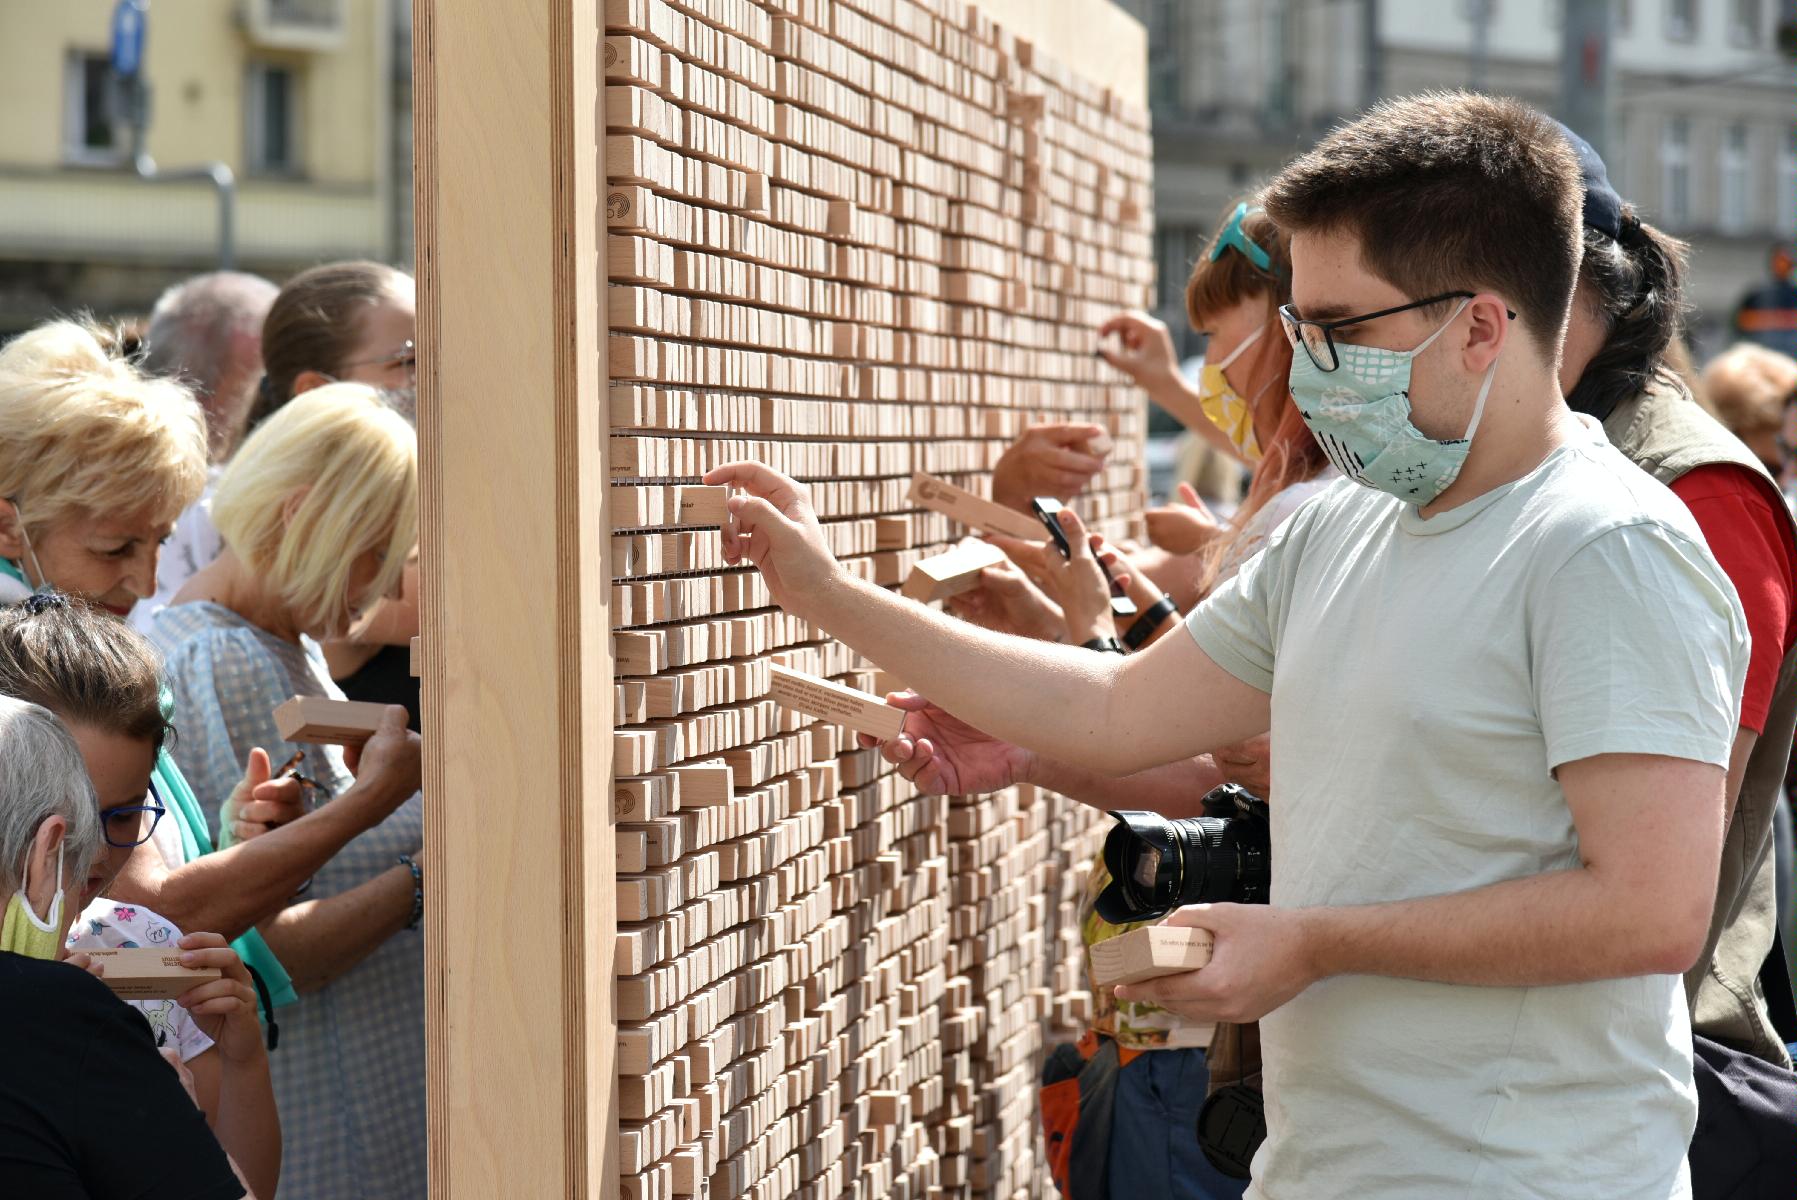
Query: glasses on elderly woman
[
  {"x": 405, "y": 358},
  {"x": 127, "y": 827}
]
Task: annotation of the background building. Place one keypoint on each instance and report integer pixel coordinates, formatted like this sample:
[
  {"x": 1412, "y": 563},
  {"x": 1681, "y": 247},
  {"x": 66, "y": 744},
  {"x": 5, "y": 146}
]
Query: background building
[
  {"x": 308, "y": 102},
  {"x": 1702, "y": 137}
]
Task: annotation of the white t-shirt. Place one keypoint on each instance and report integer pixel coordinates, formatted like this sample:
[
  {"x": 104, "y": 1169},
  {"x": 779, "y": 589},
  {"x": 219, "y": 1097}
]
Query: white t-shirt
[
  {"x": 108, "y": 925},
  {"x": 1427, "y": 677}
]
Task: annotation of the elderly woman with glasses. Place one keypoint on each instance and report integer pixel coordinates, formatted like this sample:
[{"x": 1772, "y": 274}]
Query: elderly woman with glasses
[{"x": 87, "y": 1105}]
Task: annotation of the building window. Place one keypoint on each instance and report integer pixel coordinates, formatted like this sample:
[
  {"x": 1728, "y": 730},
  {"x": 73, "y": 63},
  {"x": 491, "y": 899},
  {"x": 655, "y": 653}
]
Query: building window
[
  {"x": 1785, "y": 219},
  {"x": 1733, "y": 177},
  {"x": 1744, "y": 22},
  {"x": 1681, "y": 20},
  {"x": 270, "y": 120},
  {"x": 90, "y": 115},
  {"x": 1675, "y": 172}
]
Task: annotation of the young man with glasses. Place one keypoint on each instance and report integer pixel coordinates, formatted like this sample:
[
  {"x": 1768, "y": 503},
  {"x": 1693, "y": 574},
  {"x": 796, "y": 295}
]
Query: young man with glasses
[{"x": 1500, "y": 668}]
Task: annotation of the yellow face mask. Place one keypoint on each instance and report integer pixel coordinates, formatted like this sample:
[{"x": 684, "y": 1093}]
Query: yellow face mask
[
  {"x": 1225, "y": 406},
  {"x": 22, "y": 931}
]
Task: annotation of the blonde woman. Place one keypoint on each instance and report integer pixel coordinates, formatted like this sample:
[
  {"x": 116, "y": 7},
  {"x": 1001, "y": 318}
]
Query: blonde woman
[{"x": 318, "y": 512}]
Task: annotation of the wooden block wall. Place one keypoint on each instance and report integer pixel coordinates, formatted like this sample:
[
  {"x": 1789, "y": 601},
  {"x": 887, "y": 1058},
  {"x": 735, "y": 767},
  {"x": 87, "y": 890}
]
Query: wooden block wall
[{"x": 854, "y": 240}]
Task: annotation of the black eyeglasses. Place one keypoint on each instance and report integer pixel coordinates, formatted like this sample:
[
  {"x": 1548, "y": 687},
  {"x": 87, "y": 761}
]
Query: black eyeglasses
[
  {"x": 125, "y": 827},
  {"x": 1318, "y": 337}
]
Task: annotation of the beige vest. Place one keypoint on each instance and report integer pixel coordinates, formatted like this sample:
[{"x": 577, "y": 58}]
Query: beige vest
[{"x": 1665, "y": 433}]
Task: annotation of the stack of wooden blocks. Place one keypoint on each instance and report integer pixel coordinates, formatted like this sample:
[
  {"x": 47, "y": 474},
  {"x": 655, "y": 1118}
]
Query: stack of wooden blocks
[{"x": 854, "y": 240}]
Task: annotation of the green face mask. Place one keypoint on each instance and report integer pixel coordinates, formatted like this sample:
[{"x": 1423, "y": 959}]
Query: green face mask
[{"x": 22, "y": 932}]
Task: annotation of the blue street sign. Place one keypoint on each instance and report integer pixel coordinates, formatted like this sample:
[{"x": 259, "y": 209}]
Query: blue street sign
[{"x": 129, "y": 19}]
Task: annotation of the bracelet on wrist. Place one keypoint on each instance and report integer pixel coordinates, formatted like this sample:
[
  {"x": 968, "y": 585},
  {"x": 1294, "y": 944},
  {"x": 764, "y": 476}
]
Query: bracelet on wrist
[
  {"x": 407, "y": 861},
  {"x": 1149, "y": 621},
  {"x": 1108, "y": 645}
]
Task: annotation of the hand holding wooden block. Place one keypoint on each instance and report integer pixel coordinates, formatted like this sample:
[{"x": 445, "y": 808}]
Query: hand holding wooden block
[
  {"x": 322, "y": 721},
  {"x": 860, "y": 711},
  {"x": 147, "y": 973},
  {"x": 1149, "y": 953},
  {"x": 952, "y": 572}
]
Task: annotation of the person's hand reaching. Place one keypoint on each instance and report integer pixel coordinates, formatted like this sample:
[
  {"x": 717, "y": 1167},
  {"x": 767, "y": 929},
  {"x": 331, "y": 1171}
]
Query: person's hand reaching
[
  {"x": 775, "y": 528},
  {"x": 1143, "y": 350},
  {"x": 945, "y": 756},
  {"x": 1007, "y": 602},
  {"x": 259, "y": 803},
  {"x": 1077, "y": 584},
  {"x": 1047, "y": 460},
  {"x": 1185, "y": 526}
]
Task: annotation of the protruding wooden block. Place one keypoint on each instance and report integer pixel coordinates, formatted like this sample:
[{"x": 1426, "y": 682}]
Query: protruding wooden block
[
  {"x": 1149, "y": 953},
  {"x": 951, "y": 573},
  {"x": 860, "y": 711},
  {"x": 319, "y": 720},
  {"x": 700, "y": 505},
  {"x": 705, "y": 784},
  {"x": 975, "y": 511}
]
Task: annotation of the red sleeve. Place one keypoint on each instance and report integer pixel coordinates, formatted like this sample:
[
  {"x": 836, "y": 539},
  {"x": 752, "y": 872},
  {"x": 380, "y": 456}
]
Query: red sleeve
[{"x": 1752, "y": 542}]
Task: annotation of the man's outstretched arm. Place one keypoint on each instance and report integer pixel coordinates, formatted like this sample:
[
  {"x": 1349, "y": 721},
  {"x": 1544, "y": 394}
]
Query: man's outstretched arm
[{"x": 1103, "y": 711}]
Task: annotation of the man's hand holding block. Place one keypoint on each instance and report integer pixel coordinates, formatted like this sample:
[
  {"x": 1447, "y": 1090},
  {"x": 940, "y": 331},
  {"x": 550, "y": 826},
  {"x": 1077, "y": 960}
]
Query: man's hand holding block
[
  {"x": 318, "y": 720},
  {"x": 1149, "y": 953},
  {"x": 952, "y": 572},
  {"x": 976, "y": 512},
  {"x": 146, "y": 973},
  {"x": 833, "y": 702}
]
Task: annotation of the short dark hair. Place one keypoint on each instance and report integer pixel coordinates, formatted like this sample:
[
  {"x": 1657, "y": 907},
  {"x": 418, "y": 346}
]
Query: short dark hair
[
  {"x": 1449, "y": 191},
  {"x": 83, "y": 665}
]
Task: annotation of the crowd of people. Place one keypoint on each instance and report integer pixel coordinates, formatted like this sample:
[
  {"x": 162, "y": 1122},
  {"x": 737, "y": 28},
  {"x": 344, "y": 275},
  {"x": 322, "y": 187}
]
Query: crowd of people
[
  {"x": 1503, "y": 629},
  {"x": 197, "y": 523}
]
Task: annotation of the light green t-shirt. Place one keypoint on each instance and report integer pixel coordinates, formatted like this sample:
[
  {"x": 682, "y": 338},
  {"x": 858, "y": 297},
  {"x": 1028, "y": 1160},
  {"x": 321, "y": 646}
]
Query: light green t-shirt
[{"x": 1427, "y": 677}]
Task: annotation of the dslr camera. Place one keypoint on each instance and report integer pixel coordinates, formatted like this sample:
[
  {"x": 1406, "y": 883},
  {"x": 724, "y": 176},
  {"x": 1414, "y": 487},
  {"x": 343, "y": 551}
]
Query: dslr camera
[{"x": 1157, "y": 864}]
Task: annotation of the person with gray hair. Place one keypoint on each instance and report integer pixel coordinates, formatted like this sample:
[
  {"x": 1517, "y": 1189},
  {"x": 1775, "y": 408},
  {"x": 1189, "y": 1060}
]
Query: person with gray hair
[
  {"x": 49, "y": 827},
  {"x": 205, "y": 332},
  {"x": 81, "y": 1064}
]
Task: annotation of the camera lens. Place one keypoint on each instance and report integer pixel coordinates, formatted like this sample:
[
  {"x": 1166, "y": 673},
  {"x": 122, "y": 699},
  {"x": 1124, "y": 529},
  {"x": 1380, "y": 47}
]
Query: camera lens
[{"x": 1157, "y": 864}]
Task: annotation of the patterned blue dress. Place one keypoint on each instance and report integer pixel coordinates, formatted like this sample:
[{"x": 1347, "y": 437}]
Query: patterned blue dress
[{"x": 349, "y": 1072}]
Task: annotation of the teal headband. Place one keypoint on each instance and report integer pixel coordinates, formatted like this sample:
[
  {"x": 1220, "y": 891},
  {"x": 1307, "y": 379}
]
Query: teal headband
[{"x": 1232, "y": 237}]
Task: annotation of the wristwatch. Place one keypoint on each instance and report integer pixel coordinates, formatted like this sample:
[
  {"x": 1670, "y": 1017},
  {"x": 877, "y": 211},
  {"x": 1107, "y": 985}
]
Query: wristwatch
[
  {"x": 1148, "y": 622},
  {"x": 1109, "y": 645}
]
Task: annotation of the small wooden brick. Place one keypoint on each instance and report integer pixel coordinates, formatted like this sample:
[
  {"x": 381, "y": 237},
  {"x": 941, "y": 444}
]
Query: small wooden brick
[
  {"x": 700, "y": 505},
  {"x": 860, "y": 711},
  {"x": 1149, "y": 953},
  {"x": 951, "y": 573},
  {"x": 148, "y": 973},
  {"x": 318, "y": 720}
]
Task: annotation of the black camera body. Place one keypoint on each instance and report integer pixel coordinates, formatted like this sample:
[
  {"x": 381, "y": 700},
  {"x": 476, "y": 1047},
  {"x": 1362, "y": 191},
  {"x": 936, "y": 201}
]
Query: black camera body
[{"x": 1157, "y": 865}]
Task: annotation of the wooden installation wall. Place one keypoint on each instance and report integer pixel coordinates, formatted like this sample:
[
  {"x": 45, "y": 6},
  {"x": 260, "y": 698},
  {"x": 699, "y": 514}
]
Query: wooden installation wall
[{"x": 683, "y": 941}]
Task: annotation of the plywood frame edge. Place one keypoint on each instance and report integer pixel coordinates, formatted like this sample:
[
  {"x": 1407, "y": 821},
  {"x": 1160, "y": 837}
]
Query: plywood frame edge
[{"x": 516, "y": 652}]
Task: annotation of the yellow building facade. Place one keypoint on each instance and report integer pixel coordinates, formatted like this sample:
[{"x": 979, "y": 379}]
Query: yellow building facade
[{"x": 297, "y": 97}]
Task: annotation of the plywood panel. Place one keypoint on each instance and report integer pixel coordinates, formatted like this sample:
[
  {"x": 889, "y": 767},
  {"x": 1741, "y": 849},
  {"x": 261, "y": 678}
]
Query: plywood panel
[{"x": 515, "y": 656}]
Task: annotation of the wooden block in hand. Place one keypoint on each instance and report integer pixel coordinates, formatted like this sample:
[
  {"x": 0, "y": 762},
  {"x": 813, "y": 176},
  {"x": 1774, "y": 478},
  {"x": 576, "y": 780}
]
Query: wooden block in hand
[
  {"x": 977, "y": 512},
  {"x": 700, "y": 505},
  {"x": 951, "y": 573},
  {"x": 148, "y": 973},
  {"x": 860, "y": 711},
  {"x": 1149, "y": 953},
  {"x": 318, "y": 720}
]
